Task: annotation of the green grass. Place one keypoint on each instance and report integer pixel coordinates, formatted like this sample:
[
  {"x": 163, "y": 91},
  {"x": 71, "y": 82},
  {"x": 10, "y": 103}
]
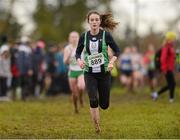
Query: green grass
[{"x": 129, "y": 116}]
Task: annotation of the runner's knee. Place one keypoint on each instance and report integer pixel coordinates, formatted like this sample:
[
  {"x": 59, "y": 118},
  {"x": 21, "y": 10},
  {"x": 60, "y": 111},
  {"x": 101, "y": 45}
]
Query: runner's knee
[
  {"x": 104, "y": 105},
  {"x": 94, "y": 103}
]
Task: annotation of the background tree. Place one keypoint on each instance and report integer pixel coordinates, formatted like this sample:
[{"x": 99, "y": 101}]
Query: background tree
[
  {"x": 8, "y": 23},
  {"x": 54, "y": 20}
]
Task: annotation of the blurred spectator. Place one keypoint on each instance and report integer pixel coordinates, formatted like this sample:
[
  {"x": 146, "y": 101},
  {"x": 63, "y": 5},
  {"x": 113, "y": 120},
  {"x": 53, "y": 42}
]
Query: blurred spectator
[
  {"x": 5, "y": 72},
  {"x": 38, "y": 58},
  {"x": 167, "y": 60},
  {"x": 114, "y": 72},
  {"x": 24, "y": 64},
  {"x": 125, "y": 66},
  {"x": 178, "y": 60},
  {"x": 150, "y": 66},
  {"x": 15, "y": 83},
  {"x": 137, "y": 67},
  {"x": 51, "y": 64},
  {"x": 62, "y": 72}
]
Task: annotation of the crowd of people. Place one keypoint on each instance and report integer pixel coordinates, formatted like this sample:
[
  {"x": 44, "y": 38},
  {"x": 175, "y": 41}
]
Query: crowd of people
[
  {"x": 29, "y": 69},
  {"x": 139, "y": 69},
  {"x": 136, "y": 68}
]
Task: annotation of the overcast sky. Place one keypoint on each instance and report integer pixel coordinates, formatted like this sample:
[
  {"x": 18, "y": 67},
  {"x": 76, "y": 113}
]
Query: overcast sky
[
  {"x": 154, "y": 13},
  {"x": 151, "y": 12}
]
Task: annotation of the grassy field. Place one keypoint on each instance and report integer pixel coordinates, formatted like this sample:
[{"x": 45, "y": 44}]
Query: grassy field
[{"x": 129, "y": 116}]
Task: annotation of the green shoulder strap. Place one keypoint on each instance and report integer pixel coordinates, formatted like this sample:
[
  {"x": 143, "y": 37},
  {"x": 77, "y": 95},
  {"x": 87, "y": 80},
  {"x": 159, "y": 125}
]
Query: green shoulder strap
[
  {"x": 85, "y": 39},
  {"x": 104, "y": 42}
]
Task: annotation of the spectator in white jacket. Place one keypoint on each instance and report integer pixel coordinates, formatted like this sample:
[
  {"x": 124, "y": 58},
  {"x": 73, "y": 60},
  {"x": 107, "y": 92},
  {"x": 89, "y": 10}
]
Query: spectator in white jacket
[{"x": 5, "y": 71}]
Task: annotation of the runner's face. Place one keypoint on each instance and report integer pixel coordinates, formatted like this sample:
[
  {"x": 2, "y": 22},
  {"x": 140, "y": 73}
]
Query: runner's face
[
  {"x": 73, "y": 38},
  {"x": 94, "y": 21}
]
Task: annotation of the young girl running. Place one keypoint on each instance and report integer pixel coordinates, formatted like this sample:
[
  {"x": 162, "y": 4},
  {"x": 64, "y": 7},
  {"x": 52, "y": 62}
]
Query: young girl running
[
  {"x": 96, "y": 64},
  {"x": 76, "y": 77}
]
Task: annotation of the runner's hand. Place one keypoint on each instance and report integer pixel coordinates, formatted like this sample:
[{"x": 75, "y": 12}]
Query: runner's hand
[
  {"x": 81, "y": 63},
  {"x": 110, "y": 66}
]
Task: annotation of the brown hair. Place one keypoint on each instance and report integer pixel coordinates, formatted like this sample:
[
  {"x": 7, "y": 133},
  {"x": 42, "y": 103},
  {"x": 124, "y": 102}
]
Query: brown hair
[{"x": 107, "y": 21}]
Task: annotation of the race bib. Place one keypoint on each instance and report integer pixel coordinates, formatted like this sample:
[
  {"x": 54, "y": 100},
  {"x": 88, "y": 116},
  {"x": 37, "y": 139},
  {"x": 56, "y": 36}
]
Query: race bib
[{"x": 95, "y": 60}]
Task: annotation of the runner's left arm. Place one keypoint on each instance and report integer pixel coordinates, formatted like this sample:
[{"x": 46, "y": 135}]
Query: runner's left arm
[{"x": 112, "y": 44}]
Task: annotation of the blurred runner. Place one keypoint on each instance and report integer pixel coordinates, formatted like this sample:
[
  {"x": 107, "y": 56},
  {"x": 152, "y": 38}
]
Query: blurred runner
[{"x": 76, "y": 76}]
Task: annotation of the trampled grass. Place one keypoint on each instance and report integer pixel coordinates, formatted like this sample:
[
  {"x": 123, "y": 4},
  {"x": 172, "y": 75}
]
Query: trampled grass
[{"x": 131, "y": 115}]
